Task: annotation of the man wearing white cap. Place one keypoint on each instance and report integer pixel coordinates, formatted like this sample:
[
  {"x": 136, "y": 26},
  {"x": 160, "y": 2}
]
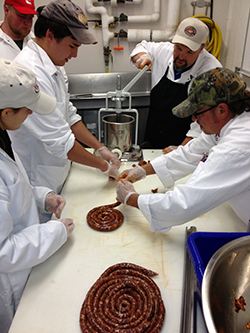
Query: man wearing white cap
[
  {"x": 47, "y": 145},
  {"x": 24, "y": 242},
  {"x": 15, "y": 30},
  {"x": 174, "y": 66}
]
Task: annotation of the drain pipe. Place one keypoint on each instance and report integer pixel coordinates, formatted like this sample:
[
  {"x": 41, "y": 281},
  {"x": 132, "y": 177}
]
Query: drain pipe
[
  {"x": 137, "y": 35},
  {"x": 106, "y": 34}
]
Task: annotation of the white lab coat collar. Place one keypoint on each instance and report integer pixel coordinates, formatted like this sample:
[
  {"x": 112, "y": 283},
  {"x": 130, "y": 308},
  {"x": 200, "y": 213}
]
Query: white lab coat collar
[{"x": 48, "y": 64}]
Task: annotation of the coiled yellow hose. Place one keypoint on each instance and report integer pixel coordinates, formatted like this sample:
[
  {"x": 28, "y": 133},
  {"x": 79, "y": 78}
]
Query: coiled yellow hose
[{"x": 214, "y": 45}]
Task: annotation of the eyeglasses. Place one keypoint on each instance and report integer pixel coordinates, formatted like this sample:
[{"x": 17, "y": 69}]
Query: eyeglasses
[{"x": 196, "y": 115}]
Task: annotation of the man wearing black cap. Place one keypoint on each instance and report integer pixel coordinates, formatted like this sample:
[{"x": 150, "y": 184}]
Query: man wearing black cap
[
  {"x": 219, "y": 159},
  {"x": 173, "y": 67},
  {"x": 47, "y": 144},
  {"x": 15, "y": 30}
]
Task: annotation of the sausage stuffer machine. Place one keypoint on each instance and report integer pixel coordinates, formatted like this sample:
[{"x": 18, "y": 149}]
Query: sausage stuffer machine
[{"x": 133, "y": 153}]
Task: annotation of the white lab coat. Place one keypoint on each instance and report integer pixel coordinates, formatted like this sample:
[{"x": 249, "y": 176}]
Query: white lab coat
[
  {"x": 43, "y": 142},
  {"x": 224, "y": 176},
  {"x": 24, "y": 242},
  {"x": 162, "y": 57},
  {"x": 8, "y": 48}
]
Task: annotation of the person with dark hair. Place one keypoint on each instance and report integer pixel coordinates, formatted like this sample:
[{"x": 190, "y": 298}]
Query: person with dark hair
[
  {"x": 47, "y": 145},
  {"x": 174, "y": 65},
  {"x": 24, "y": 242},
  {"x": 219, "y": 159},
  {"x": 15, "y": 30}
]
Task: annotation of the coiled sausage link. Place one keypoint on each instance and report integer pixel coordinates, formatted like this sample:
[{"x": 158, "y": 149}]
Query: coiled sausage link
[
  {"x": 124, "y": 299},
  {"x": 105, "y": 218}
]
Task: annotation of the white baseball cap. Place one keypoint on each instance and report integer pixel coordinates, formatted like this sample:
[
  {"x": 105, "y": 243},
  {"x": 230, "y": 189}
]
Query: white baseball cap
[
  {"x": 18, "y": 88},
  {"x": 192, "y": 33}
]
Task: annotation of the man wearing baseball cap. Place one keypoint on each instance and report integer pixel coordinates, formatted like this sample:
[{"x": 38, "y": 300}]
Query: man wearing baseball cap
[
  {"x": 21, "y": 233},
  {"x": 47, "y": 145},
  {"x": 219, "y": 159},
  {"x": 15, "y": 30},
  {"x": 173, "y": 69}
]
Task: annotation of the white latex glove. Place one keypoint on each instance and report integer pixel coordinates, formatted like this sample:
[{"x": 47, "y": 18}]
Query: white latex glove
[
  {"x": 133, "y": 175},
  {"x": 124, "y": 190},
  {"x": 108, "y": 156},
  {"x": 144, "y": 60},
  {"x": 54, "y": 203},
  {"x": 169, "y": 149},
  {"x": 69, "y": 224},
  {"x": 112, "y": 172}
]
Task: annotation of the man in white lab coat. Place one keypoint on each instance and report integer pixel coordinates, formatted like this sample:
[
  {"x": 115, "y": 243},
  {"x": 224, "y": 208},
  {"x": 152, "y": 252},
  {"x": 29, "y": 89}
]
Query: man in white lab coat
[
  {"x": 15, "y": 30},
  {"x": 24, "y": 242},
  {"x": 174, "y": 66},
  {"x": 47, "y": 145},
  {"x": 219, "y": 159}
]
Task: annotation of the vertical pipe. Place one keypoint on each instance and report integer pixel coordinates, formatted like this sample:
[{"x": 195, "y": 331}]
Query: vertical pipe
[{"x": 188, "y": 291}]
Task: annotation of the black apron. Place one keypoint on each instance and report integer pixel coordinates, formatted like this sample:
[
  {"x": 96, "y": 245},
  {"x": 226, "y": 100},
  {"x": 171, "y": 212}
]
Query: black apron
[{"x": 163, "y": 129}]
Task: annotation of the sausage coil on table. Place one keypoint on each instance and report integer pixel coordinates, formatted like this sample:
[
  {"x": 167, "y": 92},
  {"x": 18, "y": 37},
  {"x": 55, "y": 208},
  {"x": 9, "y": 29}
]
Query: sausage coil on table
[
  {"x": 105, "y": 218},
  {"x": 124, "y": 299}
]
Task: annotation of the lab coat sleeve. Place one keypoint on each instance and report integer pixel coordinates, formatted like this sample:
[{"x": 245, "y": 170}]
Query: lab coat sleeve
[
  {"x": 152, "y": 48},
  {"x": 215, "y": 181},
  {"x": 29, "y": 246},
  {"x": 194, "y": 130}
]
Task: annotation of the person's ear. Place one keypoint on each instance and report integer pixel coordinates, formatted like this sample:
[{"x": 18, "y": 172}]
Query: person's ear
[
  {"x": 6, "y": 113},
  {"x": 223, "y": 110},
  {"x": 49, "y": 35}
]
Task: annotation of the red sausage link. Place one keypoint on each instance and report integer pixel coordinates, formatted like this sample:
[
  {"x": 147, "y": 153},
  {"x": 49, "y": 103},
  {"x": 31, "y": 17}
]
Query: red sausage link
[
  {"x": 124, "y": 299},
  {"x": 105, "y": 218}
]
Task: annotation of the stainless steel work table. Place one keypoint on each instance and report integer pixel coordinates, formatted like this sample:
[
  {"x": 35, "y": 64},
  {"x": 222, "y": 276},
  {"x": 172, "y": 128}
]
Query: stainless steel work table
[{"x": 56, "y": 288}]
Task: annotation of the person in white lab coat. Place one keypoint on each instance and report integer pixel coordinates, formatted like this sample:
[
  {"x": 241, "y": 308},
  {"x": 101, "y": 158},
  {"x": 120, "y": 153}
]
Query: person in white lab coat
[
  {"x": 174, "y": 66},
  {"x": 24, "y": 242},
  {"x": 47, "y": 145},
  {"x": 15, "y": 30},
  {"x": 219, "y": 159}
]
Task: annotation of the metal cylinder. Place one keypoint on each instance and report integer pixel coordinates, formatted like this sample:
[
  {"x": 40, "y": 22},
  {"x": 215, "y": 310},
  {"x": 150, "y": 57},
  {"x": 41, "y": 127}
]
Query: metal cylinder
[{"x": 117, "y": 131}]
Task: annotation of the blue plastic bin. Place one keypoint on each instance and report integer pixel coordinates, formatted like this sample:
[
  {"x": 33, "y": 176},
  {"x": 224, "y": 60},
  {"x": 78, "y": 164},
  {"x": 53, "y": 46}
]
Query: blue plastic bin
[{"x": 202, "y": 245}]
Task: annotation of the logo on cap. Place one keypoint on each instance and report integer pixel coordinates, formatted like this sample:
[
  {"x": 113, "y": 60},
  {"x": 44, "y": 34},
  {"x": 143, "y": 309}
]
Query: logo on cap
[
  {"x": 82, "y": 18},
  {"x": 28, "y": 2},
  {"x": 190, "y": 31},
  {"x": 36, "y": 89}
]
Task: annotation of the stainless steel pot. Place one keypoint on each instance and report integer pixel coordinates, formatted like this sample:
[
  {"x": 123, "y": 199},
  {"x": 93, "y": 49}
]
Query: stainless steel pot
[
  {"x": 118, "y": 131},
  {"x": 226, "y": 277}
]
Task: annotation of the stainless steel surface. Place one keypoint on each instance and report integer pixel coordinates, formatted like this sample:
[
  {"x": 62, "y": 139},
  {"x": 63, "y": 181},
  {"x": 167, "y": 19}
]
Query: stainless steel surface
[
  {"x": 100, "y": 83},
  {"x": 227, "y": 275},
  {"x": 118, "y": 131},
  {"x": 188, "y": 291}
]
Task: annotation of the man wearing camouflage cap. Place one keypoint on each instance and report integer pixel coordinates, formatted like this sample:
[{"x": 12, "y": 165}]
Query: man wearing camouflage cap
[{"x": 219, "y": 159}]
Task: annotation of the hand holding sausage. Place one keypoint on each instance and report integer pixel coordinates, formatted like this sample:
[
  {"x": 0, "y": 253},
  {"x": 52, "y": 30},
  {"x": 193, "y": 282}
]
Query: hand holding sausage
[{"x": 133, "y": 175}]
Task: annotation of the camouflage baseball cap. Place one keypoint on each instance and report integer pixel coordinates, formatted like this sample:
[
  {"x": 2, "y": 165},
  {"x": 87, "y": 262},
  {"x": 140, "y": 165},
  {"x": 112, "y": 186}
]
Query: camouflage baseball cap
[{"x": 219, "y": 85}]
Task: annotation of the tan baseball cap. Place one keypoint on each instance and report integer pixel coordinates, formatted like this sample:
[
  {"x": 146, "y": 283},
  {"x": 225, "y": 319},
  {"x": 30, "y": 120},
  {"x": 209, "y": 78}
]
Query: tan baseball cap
[
  {"x": 192, "y": 33},
  {"x": 71, "y": 15},
  {"x": 18, "y": 88}
]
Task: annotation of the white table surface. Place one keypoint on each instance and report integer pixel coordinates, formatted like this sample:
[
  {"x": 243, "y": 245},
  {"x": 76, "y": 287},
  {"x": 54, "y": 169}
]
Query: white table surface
[{"x": 56, "y": 288}]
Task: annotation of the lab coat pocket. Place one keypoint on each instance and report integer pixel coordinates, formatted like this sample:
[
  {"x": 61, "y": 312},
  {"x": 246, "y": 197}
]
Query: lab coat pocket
[{"x": 52, "y": 176}]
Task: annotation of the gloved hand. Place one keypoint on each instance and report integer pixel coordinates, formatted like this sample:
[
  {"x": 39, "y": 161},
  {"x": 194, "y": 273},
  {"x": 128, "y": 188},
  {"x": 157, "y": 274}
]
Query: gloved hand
[
  {"x": 112, "y": 172},
  {"x": 169, "y": 149},
  {"x": 133, "y": 175},
  {"x": 108, "y": 156},
  {"x": 144, "y": 60},
  {"x": 124, "y": 190},
  {"x": 54, "y": 203},
  {"x": 69, "y": 224}
]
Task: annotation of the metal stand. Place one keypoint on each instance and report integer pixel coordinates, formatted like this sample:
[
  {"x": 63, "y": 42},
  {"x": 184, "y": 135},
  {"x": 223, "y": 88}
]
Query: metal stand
[{"x": 119, "y": 96}]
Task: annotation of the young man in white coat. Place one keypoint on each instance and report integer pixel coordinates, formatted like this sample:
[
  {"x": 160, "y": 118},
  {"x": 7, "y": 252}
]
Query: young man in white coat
[
  {"x": 47, "y": 145},
  {"x": 174, "y": 66},
  {"x": 15, "y": 30},
  {"x": 219, "y": 159},
  {"x": 24, "y": 242}
]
